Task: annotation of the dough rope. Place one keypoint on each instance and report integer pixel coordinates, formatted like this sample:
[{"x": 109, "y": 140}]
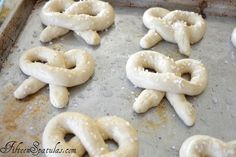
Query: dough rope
[
  {"x": 201, "y": 145},
  {"x": 60, "y": 71},
  {"x": 166, "y": 79},
  {"x": 90, "y": 135},
  {"x": 181, "y": 27},
  {"x": 85, "y": 18},
  {"x": 233, "y": 37}
]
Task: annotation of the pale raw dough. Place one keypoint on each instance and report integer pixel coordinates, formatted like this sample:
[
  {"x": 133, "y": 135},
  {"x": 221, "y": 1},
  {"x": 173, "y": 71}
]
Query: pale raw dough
[
  {"x": 90, "y": 135},
  {"x": 85, "y": 18},
  {"x": 61, "y": 70},
  {"x": 202, "y": 145},
  {"x": 233, "y": 37},
  {"x": 166, "y": 79},
  {"x": 181, "y": 27}
]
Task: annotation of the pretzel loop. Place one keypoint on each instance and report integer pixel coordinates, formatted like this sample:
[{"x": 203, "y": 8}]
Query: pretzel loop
[
  {"x": 90, "y": 135},
  {"x": 181, "y": 27},
  {"x": 202, "y": 145},
  {"x": 60, "y": 70},
  {"x": 83, "y": 17},
  {"x": 166, "y": 78}
]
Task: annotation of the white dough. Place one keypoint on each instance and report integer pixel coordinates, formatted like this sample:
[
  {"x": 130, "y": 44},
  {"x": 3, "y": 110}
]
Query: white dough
[
  {"x": 90, "y": 135},
  {"x": 181, "y": 27},
  {"x": 233, "y": 37},
  {"x": 167, "y": 78},
  {"x": 202, "y": 145},
  {"x": 56, "y": 72},
  {"x": 85, "y": 18}
]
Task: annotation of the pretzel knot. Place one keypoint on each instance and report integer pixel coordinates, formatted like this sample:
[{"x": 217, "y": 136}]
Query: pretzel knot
[
  {"x": 181, "y": 27},
  {"x": 90, "y": 135},
  {"x": 61, "y": 70},
  {"x": 201, "y": 145},
  {"x": 167, "y": 78},
  {"x": 83, "y": 17}
]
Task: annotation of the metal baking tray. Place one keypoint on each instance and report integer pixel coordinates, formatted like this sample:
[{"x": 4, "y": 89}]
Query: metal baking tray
[{"x": 109, "y": 92}]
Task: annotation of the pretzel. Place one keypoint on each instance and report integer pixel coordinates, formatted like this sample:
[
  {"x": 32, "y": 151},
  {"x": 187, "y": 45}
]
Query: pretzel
[
  {"x": 181, "y": 27},
  {"x": 167, "y": 78},
  {"x": 90, "y": 135},
  {"x": 233, "y": 37},
  {"x": 85, "y": 18},
  {"x": 61, "y": 70},
  {"x": 201, "y": 145}
]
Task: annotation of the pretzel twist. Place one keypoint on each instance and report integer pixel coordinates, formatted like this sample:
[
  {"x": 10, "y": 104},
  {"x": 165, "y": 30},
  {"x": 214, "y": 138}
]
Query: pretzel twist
[
  {"x": 83, "y": 17},
  {"x": 201, "y": 145},
  {"x": 90, "y": 135},
  {"x": 181, "y": 27},
  {"x": 167, "y": 78},
  {"x": 61, "y": 70}
]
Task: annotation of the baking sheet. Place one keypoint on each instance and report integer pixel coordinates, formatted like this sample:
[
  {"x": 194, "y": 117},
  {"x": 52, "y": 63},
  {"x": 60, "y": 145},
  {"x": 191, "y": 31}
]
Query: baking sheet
[
  {"x": 205, "y": 7},
  {"x": 109, "y": 92},
  {"x": 17, "y": 13}
]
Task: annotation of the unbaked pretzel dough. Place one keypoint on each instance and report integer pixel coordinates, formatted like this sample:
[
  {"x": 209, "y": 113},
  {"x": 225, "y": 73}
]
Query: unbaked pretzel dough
[
  {"x": 166, "y": 79},
  {"x": 202, "y": 145},
  {"x": 60, "y": 71},
  {"x": 233, "y": 37},
  {"x": 90, "y": 135},
  {"x": 85, "y": 18},
  {"x": 181, "y": 27}
]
